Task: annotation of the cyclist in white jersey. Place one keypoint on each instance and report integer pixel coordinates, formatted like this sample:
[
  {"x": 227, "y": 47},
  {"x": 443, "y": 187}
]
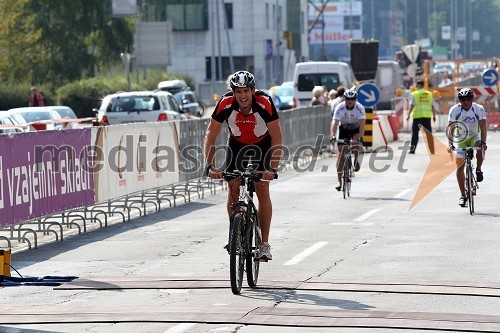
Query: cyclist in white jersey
[
  {"x": 351, "y": 117},
  {"x": 467, "y": 127}
]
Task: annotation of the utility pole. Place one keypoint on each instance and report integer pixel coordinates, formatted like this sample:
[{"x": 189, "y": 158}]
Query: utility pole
[
  {"x": 278, "y": 26},
  {"x": 219, "y": 59},
  {"x": 231, "y": 62}
]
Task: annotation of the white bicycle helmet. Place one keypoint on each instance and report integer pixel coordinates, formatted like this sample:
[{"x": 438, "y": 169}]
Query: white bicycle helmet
[
  {"x": 351, "y": 93},
  {"x": 242, "y": 79},
  {"x": 465, "y": 92}
]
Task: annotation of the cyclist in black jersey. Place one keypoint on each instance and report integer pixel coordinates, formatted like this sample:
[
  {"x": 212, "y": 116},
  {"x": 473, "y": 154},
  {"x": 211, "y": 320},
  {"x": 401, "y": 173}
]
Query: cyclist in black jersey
[{"x": 254, "y": 135}]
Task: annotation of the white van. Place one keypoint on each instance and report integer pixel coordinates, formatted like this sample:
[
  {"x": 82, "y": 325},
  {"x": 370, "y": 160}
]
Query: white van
[
  {"x": 319, "y": 73},
  {"x": 388, "y": 79}
]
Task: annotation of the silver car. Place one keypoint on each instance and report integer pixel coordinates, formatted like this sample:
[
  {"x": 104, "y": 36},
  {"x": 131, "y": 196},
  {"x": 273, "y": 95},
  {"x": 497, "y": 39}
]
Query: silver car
[
  {"x": 39, "y": 118},
  {"x": 139, "y": 106}
]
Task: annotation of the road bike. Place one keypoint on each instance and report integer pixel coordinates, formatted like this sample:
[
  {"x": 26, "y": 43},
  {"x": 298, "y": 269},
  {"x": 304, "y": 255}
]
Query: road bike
[
  {"x": 348, "y": 167},
  {"x": 471, "y": 185},
  {"x": 245, "y": 235}
]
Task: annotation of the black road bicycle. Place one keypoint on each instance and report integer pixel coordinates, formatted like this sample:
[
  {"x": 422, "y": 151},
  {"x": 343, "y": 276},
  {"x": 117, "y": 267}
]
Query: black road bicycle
[
  {"x": 348, "y": 167},
  {"x": 245, "y": 235},
  {"x": 471, "y": 185}
]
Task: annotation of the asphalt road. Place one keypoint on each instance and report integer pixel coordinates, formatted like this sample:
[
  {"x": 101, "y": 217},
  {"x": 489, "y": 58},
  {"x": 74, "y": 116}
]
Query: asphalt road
[{"x": 363, "y": 264}]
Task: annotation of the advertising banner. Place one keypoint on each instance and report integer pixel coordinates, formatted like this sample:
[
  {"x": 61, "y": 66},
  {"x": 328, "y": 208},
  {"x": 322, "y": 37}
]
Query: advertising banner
[
  {"x": 133, "y": 157},
  {"x": 44, "y": 173}
]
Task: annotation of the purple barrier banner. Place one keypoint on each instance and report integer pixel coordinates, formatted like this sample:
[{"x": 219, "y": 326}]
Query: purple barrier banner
[{"x": 44, "y": 173}]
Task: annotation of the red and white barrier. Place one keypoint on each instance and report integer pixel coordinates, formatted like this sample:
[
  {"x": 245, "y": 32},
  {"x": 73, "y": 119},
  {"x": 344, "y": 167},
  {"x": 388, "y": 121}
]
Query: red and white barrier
[{"x": 482, "y": 93}]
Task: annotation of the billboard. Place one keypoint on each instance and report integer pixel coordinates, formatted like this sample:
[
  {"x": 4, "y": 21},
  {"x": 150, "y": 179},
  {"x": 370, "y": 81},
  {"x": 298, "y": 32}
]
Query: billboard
[
  {"x": 122, "y": 8},
  {"x": 338, "y": 24},
  {"x": 154, "y": 41}
]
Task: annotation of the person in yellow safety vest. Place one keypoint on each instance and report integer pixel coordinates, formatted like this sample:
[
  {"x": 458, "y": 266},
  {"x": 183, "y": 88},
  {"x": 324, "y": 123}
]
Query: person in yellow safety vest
[{"x": 422, "y": 110}]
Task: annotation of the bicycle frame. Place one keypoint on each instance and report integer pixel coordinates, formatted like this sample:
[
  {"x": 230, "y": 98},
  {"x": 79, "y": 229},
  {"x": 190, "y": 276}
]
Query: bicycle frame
[
  {"x": 245, "y": 234},
  {"x": 470, "y": 180},
  {"x": 347, "y": 168}
]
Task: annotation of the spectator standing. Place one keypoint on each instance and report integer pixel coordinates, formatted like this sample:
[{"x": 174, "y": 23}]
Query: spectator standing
[
  {"x": 338, "y": 99},
  {"x": 36, "y": 99},
  {"x": 331, "y": 96},
  {"x": 318, "y": 98}
]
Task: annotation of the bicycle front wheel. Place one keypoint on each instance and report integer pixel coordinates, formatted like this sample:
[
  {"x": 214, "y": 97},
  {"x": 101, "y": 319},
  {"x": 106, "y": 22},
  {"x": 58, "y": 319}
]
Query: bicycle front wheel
[
  {"x": 346, "y": 178},
  {"x": 254, "y": 241},
  {"x": 236, "y": 264},
  {"x": 469, "y": 183}
]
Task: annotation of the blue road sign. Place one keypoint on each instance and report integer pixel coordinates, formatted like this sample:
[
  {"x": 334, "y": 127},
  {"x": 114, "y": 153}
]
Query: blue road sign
[
  {"x": 368, "y": 94},
  {"x": 490, "y": 77}
]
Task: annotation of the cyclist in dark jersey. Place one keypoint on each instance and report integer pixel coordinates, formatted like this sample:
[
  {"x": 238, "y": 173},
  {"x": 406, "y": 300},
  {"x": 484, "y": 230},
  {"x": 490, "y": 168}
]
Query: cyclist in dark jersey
[{"x": 254, "y": 135}]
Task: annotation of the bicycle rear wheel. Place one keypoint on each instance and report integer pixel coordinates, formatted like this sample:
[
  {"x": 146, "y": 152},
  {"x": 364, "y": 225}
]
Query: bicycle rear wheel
[
  {"x": 254, "y": 241},
  {"x": 236, "y": 263},
  {"x": 469, "y": 183}
]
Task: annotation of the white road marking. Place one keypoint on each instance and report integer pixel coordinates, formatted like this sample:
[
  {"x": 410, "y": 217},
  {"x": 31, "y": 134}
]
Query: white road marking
[
  {"x": 366, "y": 215},
  {"x": 180, "y": 328},
  {"x": 351, "y": 223},
  {"x": 402, "y": 193},
  {"x": 307, "y": 252}
]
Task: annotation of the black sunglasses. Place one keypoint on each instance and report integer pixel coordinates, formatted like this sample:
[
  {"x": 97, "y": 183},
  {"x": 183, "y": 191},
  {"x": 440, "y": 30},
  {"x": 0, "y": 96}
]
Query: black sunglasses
[
  {"x": 350, "y": 99},
  {"x": 465, "y": 98}
]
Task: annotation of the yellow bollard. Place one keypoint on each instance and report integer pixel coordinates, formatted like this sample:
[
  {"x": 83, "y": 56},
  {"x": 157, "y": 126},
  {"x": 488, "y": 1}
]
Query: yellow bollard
[{"x": 5, "y": 262}]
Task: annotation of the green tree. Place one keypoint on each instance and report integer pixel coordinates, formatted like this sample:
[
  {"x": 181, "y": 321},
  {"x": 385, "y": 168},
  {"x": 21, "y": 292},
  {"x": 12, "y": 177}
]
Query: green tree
[
  {"x": 19, "y": 42},
  {"x": 57, "y": 41}
]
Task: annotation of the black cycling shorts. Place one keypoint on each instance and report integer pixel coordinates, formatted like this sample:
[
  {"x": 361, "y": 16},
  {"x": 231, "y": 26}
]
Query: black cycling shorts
[
  {"x": 346, "y": 133},
  {"x": 239, "y": 154}
]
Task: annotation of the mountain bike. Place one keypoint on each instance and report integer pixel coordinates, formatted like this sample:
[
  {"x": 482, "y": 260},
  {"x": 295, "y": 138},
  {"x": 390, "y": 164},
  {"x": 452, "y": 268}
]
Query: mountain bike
[
  {"x": 245, "y": 235},
  {"x": 471, "y": 185},
  {"x": 348, "y": 168}
]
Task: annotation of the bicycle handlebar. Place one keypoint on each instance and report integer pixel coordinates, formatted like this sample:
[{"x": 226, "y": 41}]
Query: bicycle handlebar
[
  {"x": 466, "y": 149},
  {"x": 255, "y": 176},
  {"x": 344, "y": 141}
]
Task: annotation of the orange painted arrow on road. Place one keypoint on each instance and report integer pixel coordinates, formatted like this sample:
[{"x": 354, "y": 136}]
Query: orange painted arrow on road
[{"x": 441, "y": 165}]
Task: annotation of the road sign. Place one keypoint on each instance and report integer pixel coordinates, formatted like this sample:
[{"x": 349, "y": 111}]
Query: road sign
[
  {"x": 368, "y": 94},
  {"x": 490, "y": 77}
]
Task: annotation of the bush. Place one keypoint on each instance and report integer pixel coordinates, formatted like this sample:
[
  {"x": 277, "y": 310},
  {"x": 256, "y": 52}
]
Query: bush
[
  {"x": 84, "y": 95},
  {"x": 17, "y": 95}
]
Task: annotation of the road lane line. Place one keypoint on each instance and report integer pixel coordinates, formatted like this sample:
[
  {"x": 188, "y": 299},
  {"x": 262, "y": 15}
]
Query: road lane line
[
  {"x": 366, "y": 215},
  {"x": 307, "y": 252},
  {"x": 402, "y": 193},
  {"x": 351, "y": 223},
  {"x": 180, "y": 328}
]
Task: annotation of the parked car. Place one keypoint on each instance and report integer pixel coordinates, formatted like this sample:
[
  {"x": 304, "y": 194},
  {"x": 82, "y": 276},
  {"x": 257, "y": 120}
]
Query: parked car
[
  {"x": 282, "y": 96},
  {"x": 186, "y": 98},
  {"x": 188, "y": 103},
  {"x": 444, "y": 68},
  {"x": 139, "y": 106},
  {"x": 65, "y": 111},
  {"x": 173, "y": 86},
  {"x": 39, "y": 118},
  {"x": 6, "y": 119}
]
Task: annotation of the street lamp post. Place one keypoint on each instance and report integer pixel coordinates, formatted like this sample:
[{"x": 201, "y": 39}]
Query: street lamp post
[{"x": 126, "y": 62}]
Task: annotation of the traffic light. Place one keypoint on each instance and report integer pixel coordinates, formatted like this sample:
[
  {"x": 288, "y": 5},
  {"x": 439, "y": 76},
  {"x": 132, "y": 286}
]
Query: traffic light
[{"x": 288, "y": 36}]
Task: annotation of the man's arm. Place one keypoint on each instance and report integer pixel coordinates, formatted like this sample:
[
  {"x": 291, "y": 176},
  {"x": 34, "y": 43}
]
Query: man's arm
[
  {"x": 361, "y": 123},
  {"x": 434, "y": 111},
  {"x": 213, "y": 131},
  {"x": 335, "y": 126},
  {"x": 484, "y": 130},
  {"x": 409, "y": 112},
  {"x": 274, "y": 128}
]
